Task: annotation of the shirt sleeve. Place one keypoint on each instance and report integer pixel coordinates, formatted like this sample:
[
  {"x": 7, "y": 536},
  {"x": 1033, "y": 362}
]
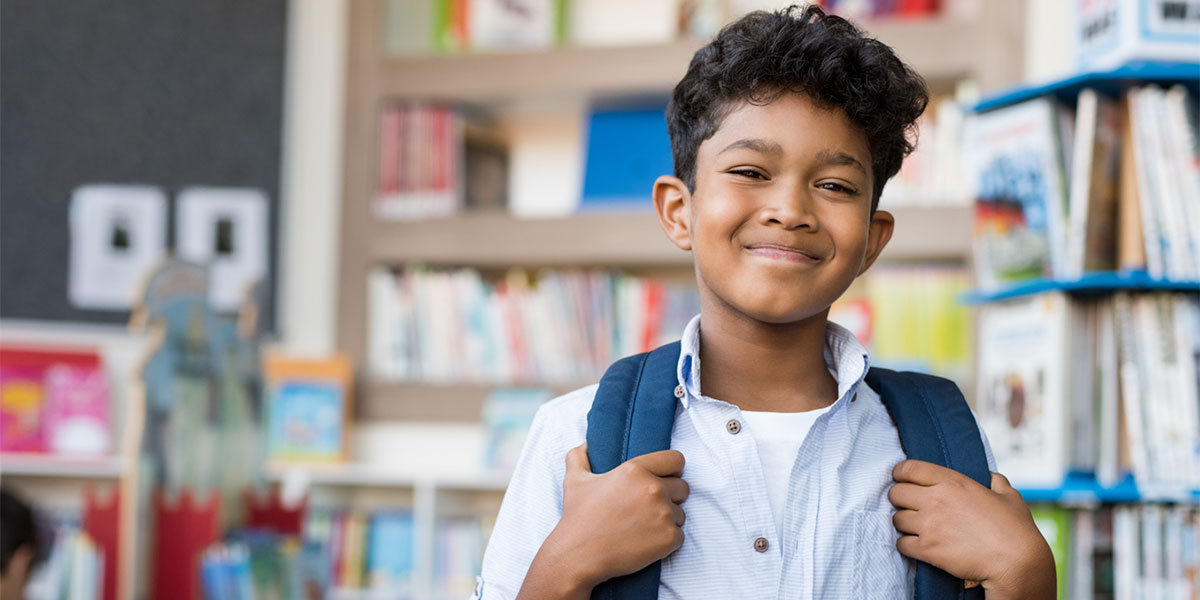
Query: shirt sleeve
[
  {"x": 987, "y": 446},
  {"x": 530, "y": 510}
]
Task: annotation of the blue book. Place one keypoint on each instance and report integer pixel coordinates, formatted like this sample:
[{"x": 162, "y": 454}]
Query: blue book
[
  {"x": 390, "y": 549},
  {"x": 626, "y": 151}
]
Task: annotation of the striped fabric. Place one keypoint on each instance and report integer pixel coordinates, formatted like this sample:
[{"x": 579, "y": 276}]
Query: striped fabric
[{"x": 837, "y": 540}]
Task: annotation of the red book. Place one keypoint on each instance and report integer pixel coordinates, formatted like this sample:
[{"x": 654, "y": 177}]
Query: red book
[
  {"x": 389, "y": 151},
  {"x": 652, "y": 297}
]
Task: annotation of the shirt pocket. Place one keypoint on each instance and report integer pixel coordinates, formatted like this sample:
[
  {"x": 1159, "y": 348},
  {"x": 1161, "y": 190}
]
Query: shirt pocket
[{"x": 879, "y": 568}]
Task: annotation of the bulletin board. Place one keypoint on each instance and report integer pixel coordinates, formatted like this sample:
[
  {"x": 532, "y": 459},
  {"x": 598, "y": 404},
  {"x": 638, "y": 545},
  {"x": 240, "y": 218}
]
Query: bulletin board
[{"x": 170, "y": 94}]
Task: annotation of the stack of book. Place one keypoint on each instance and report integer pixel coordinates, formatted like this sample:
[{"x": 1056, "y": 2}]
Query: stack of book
[
  {"x": 1105, "y": 184},
  {"x": 560, "y": 326},
  {"x": 1123, "y": 552},
  {"x": 364, "y": 551},
  {"x": 458, "y": 555},
  {"x": 1106, "y": 385}
]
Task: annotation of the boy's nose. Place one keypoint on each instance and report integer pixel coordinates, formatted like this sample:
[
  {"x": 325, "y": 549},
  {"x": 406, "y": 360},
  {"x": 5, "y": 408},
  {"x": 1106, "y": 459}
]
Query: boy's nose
[{"x": 791, "y": 208}]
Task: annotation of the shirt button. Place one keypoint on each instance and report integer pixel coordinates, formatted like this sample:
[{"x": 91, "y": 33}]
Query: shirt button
[
  {"x": 733, "y": 426},
  {"x": 761, "y": 544},
  {"x": 678, "y": 391}
]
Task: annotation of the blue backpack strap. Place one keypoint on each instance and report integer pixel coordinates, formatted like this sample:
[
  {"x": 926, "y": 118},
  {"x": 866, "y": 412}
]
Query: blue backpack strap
[
  {"x": 935, "y": 425},
  {"x": 633, "y": 414}
]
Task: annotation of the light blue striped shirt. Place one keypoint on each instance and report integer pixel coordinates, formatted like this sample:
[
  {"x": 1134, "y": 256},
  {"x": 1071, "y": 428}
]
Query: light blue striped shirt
[{"x": 837, "y": 539}]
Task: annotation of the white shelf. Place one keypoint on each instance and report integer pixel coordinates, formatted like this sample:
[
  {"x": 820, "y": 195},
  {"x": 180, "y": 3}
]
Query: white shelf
[
  {"x": 360, "y": 475},
  {"x": 31, "y": 464}
]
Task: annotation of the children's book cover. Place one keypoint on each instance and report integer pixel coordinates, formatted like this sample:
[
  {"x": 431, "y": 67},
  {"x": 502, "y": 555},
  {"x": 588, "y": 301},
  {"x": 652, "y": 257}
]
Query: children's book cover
[
  {"x": 1015, "y": 162},
  {"x": 77, "y": 417},
  {"x": 507, "y": 416},
  {"x": 308, "y": 403},
  {"x": 1023, "y": 379}
]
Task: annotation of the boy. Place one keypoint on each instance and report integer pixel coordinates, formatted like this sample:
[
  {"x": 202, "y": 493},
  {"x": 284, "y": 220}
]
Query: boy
[
  {"x": 18, "y": 545},
  {"x": 783, "y": 130}
]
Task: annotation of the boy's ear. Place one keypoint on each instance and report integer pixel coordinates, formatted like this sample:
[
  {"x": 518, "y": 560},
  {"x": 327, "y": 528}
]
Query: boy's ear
[
  {"x": 882, "y": 224},
  {"x": 673, "y": 202}
]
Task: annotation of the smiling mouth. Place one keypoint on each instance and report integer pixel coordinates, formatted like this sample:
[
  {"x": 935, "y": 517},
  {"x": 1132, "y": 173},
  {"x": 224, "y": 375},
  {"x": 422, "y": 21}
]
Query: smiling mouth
[{"x": 784, "y": 253}]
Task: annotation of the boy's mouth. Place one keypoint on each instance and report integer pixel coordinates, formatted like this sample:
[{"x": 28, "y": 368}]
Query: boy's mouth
[{"x": 782, "y": 252}]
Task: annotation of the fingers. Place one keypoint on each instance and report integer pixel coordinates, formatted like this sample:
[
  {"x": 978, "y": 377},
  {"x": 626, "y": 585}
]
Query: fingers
[
  {"x": 677, "y": 489},
  {"x": 907, "y": 521},
  {"x": 910, "y": 546},
  {"x": 907, "y": 495},
  {"x": 665, "y": 463},
  {"x": 577, "y": 460},
  {"x": 1000, "y": 484},
  {"x": 677, "y": 514},
  {"x": 921, "y": 472}
]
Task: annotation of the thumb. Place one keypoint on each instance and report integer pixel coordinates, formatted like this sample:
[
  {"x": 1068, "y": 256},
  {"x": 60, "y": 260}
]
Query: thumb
[
  {"x": 1000, "y": 484},
  {"x": 577, "y": 460}
]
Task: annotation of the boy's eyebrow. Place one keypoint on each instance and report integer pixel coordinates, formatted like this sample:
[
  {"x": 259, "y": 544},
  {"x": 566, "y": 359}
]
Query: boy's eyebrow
[
  {"x": 839, "y": 158},
  {"x": 756, "y": 144}
]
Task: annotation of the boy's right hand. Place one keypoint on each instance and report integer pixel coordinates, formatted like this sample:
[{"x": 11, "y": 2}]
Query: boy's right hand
[{"x": 612, "y": 524}]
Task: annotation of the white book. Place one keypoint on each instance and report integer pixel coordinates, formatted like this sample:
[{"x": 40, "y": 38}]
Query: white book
[
  {"x": 380, "y": 324},
  {"x": 1185, "y": 165},
  {"x": 1147, "y": 184},
  {"x": 1151, "y": 539},
  {"x": 1186, "y": 329},
  {"x": 1023, "y": 387},
  {"x": 1126, "y": 553},
  {"x": 1179, "y": 261},
  {"x": 1107, "y": 366},
  {"x": 1153, "y": 375},
  {"x": 1082, "y": 571},
  {"x": 1131, "y": 387},
  {"x": 1082, "y": 399}
]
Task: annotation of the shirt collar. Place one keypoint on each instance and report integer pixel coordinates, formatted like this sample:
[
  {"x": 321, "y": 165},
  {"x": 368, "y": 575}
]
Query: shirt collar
[{"x": 845, "y": 357}]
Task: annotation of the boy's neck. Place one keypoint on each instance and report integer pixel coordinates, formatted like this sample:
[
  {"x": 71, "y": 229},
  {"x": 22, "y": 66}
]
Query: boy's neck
[{"x": 765, "y": 367}]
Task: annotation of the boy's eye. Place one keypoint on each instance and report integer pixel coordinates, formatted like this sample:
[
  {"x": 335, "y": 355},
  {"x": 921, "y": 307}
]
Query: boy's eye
[
  {"x": 833, "y": 186},
  {"x": 751, "y": 173}
]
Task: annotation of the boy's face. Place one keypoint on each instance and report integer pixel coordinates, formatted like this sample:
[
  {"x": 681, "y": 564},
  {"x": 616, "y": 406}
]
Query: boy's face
[{"x": 780, "y": 221}]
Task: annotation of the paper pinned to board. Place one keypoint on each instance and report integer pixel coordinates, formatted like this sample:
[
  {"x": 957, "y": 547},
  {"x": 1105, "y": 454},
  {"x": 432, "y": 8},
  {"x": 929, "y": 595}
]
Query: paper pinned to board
[
  {"x": 225, "y": 228},
  {"x": 118, "y": 233}
]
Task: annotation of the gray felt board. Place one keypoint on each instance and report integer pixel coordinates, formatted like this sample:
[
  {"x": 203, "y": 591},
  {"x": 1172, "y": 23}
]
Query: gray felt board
[{"x": 172, "y": 93}]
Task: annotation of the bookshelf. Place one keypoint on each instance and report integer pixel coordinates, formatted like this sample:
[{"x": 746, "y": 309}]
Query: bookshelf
[
  {"x": 523, "y": 84},
  {"x": 23, "y": 464},
  {"x": 983, "y": 36}
]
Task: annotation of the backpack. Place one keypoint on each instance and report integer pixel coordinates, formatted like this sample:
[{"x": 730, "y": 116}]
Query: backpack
[{"x": 634, "y": 411}]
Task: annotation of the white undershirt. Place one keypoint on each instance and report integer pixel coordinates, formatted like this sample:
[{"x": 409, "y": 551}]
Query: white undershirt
[{"x": 779, "y": 436}]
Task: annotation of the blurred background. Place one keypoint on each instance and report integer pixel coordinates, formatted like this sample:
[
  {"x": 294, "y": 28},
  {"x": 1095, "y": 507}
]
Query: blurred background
[{"x": 283, "y": 282}]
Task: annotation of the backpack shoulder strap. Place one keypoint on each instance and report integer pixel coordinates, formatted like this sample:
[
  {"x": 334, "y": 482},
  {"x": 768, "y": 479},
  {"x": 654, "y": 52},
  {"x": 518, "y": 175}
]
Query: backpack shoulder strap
[
  {"x": 937, "y": 426},
  {"x": 633, "y": 414}
]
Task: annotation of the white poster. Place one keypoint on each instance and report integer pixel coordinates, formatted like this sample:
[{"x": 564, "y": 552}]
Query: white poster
[
  {"x": 226, "y": 229},
  {"x": 118, "y": 233}
]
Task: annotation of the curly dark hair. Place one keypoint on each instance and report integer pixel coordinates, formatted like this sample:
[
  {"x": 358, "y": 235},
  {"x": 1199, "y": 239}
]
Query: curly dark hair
[{"x": 801, "y": 50}]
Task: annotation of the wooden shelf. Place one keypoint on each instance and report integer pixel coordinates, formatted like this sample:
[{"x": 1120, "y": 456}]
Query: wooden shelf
[
  {"x": 420, "y": 401},
  {"x": 597, "y": 72},
  {"x": 364, "y": 475},
  {"x": 616, "y": 240},
  {"x": 59, "y": 466}
]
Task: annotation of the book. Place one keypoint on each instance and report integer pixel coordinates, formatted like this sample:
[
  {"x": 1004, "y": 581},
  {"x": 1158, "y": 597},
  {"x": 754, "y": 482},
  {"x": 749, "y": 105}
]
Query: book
[
  {"x": 77, "y": 416},
  {"x": 53, "y": 400},
  {"x": 1092, "y": 210},
  {"x": 420, "y": 161},
  {"x": 1020, "y": 208},
  {"x": 308, "y": 407},
  {"x": 626, "y": 150},
  {"x": 390, "y": 545},
  {"x": 515, "y": 24},
  {"x": 507, "y": 416},
  {"x": 1054, "y": 522},
  {"x": 550, "y": 326},
  {"x": 1023, "y": 387}
]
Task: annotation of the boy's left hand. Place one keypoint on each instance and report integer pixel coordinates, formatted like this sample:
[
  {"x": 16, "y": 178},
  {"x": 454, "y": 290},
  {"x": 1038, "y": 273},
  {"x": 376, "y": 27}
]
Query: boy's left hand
[{"x": 977, "y": 534}]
